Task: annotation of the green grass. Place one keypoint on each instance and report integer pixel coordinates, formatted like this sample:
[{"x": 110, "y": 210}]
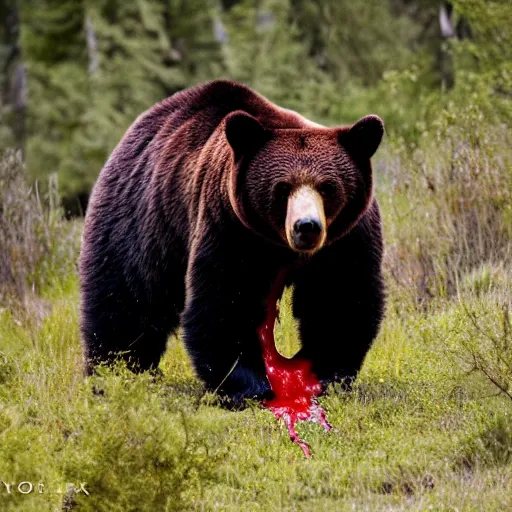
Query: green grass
[
  {"x": 427, "y": 425},
  {"x": 418, "y": 432}
]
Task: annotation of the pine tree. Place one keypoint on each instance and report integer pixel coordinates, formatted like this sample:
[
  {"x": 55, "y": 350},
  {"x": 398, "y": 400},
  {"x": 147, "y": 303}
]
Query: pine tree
[
  {"x": 355, "y": 40},
  {"x": 195, "y": 48},
  {"x": 95, "y": 65},
  {"x": 12, "y": 78},
  {"x": 265, "y": 51},
  {"x": 53, "y": 44}
]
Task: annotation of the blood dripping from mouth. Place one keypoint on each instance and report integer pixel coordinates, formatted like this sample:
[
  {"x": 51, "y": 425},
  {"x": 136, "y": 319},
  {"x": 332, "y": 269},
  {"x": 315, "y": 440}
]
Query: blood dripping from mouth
[{"x": 294, "y": 386}]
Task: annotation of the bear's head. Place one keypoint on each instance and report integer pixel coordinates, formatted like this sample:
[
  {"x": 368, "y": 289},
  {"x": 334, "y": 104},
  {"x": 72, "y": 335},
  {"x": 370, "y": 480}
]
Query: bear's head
[{"x": 302, "y": 187}]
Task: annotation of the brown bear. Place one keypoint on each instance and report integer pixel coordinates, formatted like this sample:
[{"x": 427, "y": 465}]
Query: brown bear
[{"x": 207, "y": 198}]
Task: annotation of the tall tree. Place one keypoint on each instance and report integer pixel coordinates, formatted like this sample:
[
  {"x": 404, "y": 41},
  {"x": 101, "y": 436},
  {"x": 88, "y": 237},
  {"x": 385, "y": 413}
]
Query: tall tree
[
  {"x": 266, "y": 51},
  {"x": 490, "y": 45},
  {"x": 55, "y": 52},
  {"x": 355, "y": 40},
  {"x": 12, "y": 76},
  {"x": 95, "y": 65}
]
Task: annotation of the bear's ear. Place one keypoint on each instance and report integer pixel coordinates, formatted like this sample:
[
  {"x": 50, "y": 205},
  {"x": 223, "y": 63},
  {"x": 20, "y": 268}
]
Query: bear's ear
[
  {"x": 364, "y": 137},
  {"x": 243, "y": 132}
]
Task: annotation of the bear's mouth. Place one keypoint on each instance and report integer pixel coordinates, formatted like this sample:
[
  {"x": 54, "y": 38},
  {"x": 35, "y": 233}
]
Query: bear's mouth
[{"x": 305, "y": 224}]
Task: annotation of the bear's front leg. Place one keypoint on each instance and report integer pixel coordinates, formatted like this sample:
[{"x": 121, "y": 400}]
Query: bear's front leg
[
  {"x": 224, "y": 307},
  {"x": 339, "y": 302}
]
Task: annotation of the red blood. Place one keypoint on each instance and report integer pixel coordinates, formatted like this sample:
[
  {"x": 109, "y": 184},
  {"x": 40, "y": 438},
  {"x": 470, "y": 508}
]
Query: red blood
[{"x": 294, "y": 385}]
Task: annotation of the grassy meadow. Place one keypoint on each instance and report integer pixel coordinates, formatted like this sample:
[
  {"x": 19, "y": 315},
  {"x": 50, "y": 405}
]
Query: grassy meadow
[{"x": 428, "y": 425}]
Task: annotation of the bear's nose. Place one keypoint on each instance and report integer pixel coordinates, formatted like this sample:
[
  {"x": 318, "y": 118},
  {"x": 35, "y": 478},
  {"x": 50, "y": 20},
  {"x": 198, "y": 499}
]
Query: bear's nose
[{"x": 306, "y": 233}]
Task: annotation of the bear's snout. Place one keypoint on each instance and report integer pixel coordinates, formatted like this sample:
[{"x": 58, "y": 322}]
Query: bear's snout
[
  {"x": 306, "y": 233},
  {"x": 305, "y": 220}
]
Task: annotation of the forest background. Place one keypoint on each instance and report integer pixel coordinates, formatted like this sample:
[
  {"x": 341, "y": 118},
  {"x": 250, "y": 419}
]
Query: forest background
[{"x": 427, "y": 425}]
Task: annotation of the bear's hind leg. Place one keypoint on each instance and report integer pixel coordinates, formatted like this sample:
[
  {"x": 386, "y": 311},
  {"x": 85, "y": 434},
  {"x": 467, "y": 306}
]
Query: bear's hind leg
[{"x": 126, "y": 329}]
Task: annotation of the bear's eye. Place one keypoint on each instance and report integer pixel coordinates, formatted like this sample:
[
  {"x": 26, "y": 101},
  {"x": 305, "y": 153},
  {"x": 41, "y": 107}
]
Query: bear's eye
[
  {"x": 327, "y": 190},
  {"x": 282, "y": 192}
]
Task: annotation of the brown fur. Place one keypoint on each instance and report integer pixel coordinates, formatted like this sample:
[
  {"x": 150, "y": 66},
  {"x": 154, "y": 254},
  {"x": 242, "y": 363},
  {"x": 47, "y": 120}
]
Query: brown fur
[{"x": 192, "y": 200}]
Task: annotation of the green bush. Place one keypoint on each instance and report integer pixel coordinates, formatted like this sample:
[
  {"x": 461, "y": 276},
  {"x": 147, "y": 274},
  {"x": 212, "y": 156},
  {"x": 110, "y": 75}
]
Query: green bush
[
  {"x": 447, "y": 202},
  {"x": 36, "y": 244}
]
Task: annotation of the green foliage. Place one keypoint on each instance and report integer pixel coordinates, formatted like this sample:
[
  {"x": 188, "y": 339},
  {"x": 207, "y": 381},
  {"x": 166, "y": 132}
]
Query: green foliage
[
  {"x": 36, "y": 245},
  {"x": 447, "y": 202},
  {"x": 265, "y": 51},
  {"x": 427, "y": 424},
  {"x": 355, "y": 40},
  {"x": 94, "y": 66},
  {"x": 487, "y": 342},
  {"x": 491, "y": 44},
  {"x": 415, "y": 432},
  {"x": 55, "y": 52},
  {"x": 10, "y": 129},
  {"x": 131, "y": 444}
]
